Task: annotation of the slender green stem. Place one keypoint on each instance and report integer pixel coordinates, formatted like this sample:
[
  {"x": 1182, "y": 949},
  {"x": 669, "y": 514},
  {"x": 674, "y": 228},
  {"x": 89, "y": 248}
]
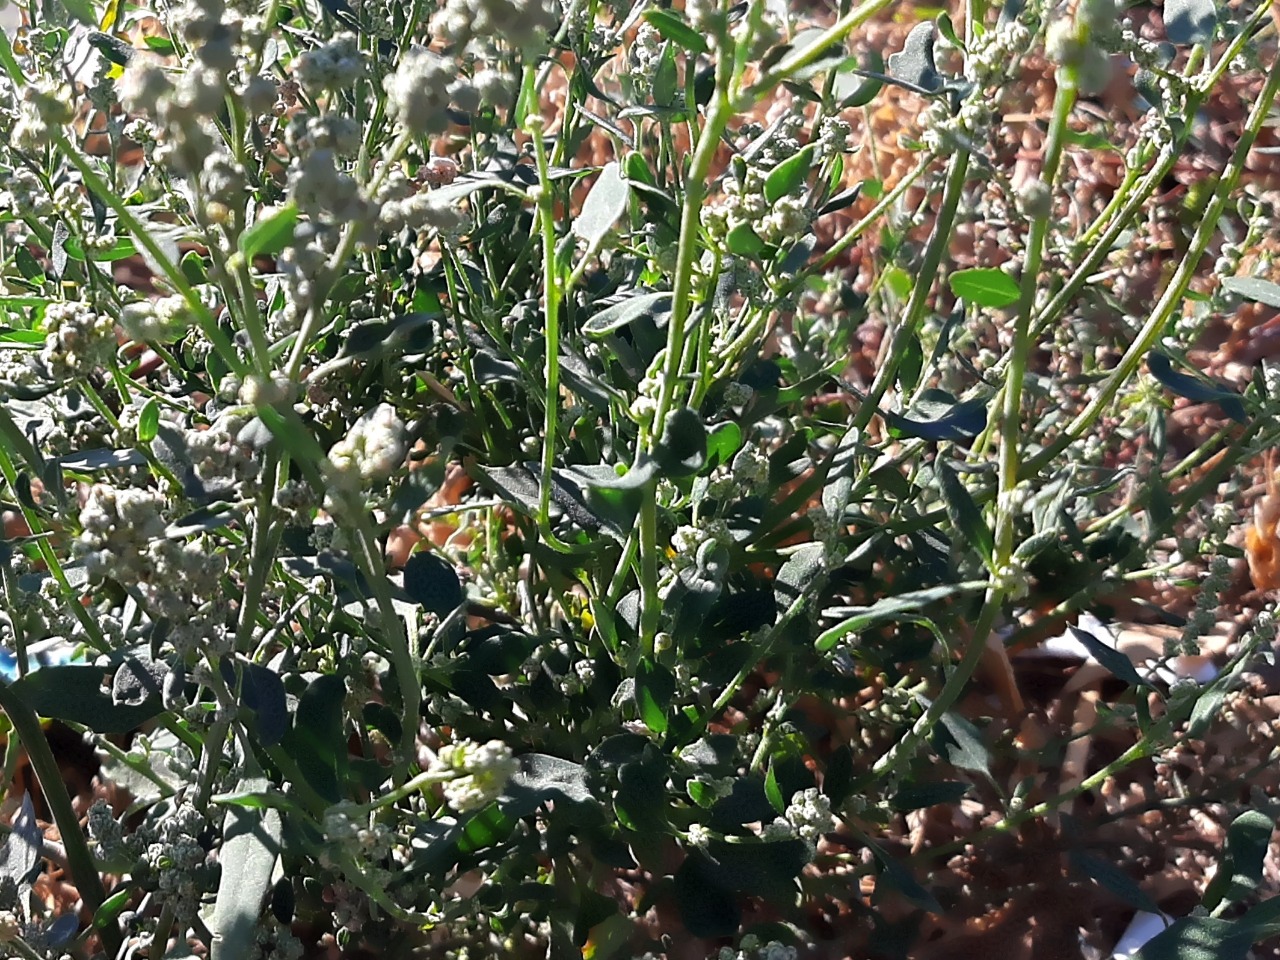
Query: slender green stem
[
  {"x": 143, "y": 237},
  {"x": 1007, "y": 512},
  {"x": 262, "y": 552},
  {"x": 83, "y": 870},
  {"x": 918, "y": 302},
  {"x": 164, "y": 925},
  {"x": 552, "y": 294},
  {"x": 905, "y": 748},
  {"x": 650, "y": 602},
  {"x": 688, "y": 250},
  {"x": 812, "y": 52},
  {"x": 1171, "y": 298}
]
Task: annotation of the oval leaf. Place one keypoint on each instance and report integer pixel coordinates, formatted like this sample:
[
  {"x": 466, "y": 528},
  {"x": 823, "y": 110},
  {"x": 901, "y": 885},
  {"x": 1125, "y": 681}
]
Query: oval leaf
[
  {"x": 985, "y": 286},
  {"x": 432, "y": 583},
  {"x": 676, "y": 30},
  {"x": 271, "y": 234},
  {"x": 1255, "y": 289},
  {"x": 606, "y": 202}
]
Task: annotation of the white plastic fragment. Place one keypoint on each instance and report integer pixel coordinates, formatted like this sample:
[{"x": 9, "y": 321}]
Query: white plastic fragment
[{"x": 1141, "y": 928}]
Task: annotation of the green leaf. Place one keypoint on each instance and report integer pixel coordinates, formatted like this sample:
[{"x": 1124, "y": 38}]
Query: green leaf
[
  {"x": 857, "y": 84},
  {"x": 898, "y": 281},
  {"x": 664, "y": 78},
  {"x": 914, "y": 64},
  {"x": 270, "y": 234},
  {"x": 904, "y": 607},
  {"x": 964, "y": 513},
  {"x": 676, "y": 30},
  {"x": 620, "y": 314},
  {"x": 121, "y": 249},
  {"x": 843, "y": 199},
  {"x": 87, "y": 461},
  {"x": 1255, "y": 289},
  {"x": 27, "y": 265},
  {"x": 74, "y": 692},
  {"x": 21, "y": 336},
  {"x": 250, "y": 847},
  {"x": 786, "y": 177},
  {"x": 1112, "y": 878},
  {"x": 683, "y": 448},
  {"x": 945, "y": 27},
  {"x": 923, "y": 795},
  {"x": 936, "y": 415},
  {"x": 432, "y": 583},
  {"x": 161, "y": 45},
  {"x": 723, "y": 441},
  {"x": 57, "y": 249},
  {"x": 1089, "y": 141},
  {"x": 316, "y": 742},
  {"x": 605, "y": 203},
  {"x": 707, "y": 909},
  {"x": 1111, "y": 658},
  {"x": 1206, "y": 709},
  {"x": 1195, "y": 389},
  {"x": 1199, "y": 938},
  {"x": 742, "y": 241},
  {"x": 797, "y": 577},
  {"x": 193, "y": 268},
  {"x": 149, "y": 420},
  {"x": 985, "y": 286},
  {"x": 1240, "y": 872},
  {"x": 114, "y": 49},
  {"x": 773, "y": 791},
  {"x": 894, "y": 876},
  {"x": 960, "y": 744},
  {"x": 655, "y": 687}
]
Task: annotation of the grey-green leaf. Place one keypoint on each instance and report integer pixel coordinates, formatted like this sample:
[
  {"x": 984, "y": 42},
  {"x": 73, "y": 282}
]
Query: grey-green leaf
[
  {"x": 250, "y": 846},
  {"x": 605, "y": 203},
  {"x": 1190, "y": 21},
  {"x": 1254, "y": 288}
]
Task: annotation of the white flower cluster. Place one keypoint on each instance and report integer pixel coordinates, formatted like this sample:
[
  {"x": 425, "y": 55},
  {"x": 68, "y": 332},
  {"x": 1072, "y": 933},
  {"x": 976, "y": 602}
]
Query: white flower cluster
[
  {"x": 423, "y": 211},
  {"x": 1204, "y": 616},
  {"x": 348, "y": 829},
  {"x": 323, "y": 191},
  {"x": 373, "y": 448},
  {"x": 184, "y": 109},
  {"x": 328, "y": 131},
  {"x": 481, "y": 772},
  {"x": 161, "y": 320},
  {"x": 745, "y": 202},
  {"x": 642, "y": 59},
  {"x": 750, "y": 948},
  {"x": 519, "y": 24},
  {"x": 218, "y": 456},
  {"x": 179, "y": 861},
  {"x": 998, "y": 52},
  {"x": 25, "y": 195},
  {"x": 336, "y": 65},
  {"x": 118, "y": 529},
  {"x": 698, "y": 835},
  {"x": 78, "y": 339},
  {"x": 421, "y": 90},
  {"x": 45, "y": 105},
  {"x": 810, "y": 814},
  {"x": 105, "y": 830}
]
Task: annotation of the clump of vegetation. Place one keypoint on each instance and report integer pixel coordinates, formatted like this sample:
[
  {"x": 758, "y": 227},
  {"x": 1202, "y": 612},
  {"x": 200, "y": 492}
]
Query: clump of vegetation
[{"x": 542, "y": 478}]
